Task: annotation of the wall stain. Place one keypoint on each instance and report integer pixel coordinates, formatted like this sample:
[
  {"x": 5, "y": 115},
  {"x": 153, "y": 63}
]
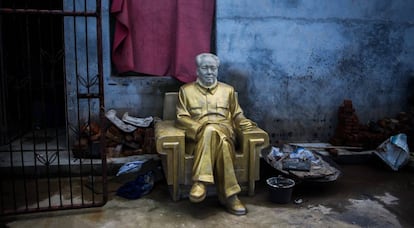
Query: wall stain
[{"x": 361, "y": 62}]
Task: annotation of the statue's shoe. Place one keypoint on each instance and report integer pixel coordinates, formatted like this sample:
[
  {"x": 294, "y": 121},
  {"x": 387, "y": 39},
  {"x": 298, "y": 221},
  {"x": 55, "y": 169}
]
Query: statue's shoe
[
  {"x": 234, "y": 205},
  {"x": 197, "y": 192}
]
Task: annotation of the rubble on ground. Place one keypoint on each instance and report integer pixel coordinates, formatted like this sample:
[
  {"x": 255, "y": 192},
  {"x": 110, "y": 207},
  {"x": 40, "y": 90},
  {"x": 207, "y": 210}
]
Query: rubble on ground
[
  {"x": 126, "y": 137},
  {"x": 350, "y": 132}
]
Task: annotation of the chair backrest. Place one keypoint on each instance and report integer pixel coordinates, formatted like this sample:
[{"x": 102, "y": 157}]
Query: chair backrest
[{"x": 170, "y": 102}]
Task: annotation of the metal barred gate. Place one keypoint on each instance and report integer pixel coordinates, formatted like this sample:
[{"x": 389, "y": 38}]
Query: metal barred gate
[{"x": 51, "y": 96}]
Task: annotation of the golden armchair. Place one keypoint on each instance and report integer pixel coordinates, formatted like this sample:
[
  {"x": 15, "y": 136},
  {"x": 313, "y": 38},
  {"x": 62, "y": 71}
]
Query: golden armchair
[{"x": 177, "y": 161}]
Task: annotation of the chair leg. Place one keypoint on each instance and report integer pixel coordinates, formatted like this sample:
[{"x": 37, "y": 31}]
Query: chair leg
[
  {"x": 173, "y": 167},
  {"x": 254, "y": 162}
]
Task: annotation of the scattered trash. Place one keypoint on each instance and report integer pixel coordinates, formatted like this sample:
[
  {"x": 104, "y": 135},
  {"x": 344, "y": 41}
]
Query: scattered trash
[
  {"x": 276, "y": 153},
  {"x": 131, "y": 167},
  {"x": 141, "y": 186},
  {"x": 303, "y": 154},
  {"x": 138, "y": 122},
  {"x": 394, "y": 151},
  {"x": 296, "y": 164},
  {"x": 111, "y": 116},
  {"x": 300, "y": 163},
  {"x": 129, "y": 136},
  {"x": 298, "y": 201}
]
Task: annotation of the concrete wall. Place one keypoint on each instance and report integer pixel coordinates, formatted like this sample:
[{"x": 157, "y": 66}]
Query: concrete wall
[
  {"x": 293, "y": 62},
  {"x": 140, "y": 96}
]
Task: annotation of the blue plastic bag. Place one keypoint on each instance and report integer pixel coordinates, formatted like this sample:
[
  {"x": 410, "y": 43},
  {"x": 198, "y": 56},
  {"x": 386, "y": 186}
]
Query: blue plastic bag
[
  {"x": 130, "y": 167},
  {"x": 137, "y": 188}
]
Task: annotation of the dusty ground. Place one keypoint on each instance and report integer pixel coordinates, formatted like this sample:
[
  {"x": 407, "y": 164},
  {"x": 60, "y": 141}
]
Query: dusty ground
[{"x": 366, "y": 195}]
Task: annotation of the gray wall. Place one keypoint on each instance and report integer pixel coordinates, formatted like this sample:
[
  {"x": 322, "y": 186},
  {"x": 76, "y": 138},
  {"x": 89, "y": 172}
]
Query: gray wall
[
  {"x": 140, "y": 96},
  {"x": 295, "y": 61},
  {"x": 292, "y": 61}
]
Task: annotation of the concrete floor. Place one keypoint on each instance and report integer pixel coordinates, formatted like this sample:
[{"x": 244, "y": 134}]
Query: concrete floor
[{"x": 366, "y": 195}]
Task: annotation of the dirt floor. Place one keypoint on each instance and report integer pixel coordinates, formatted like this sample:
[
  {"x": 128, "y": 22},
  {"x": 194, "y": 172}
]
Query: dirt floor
[{"x": 367, "y": 194}]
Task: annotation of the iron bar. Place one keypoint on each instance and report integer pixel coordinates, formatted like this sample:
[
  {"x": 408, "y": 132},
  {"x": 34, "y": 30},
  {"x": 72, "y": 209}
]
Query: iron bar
[
  {"x": 35, "y": 159},
  {"x": 101, "y": 98},
  {"x": 3, "y": 120},
  {"x": 76, "y": 70},
  {"x": 54, "y": 62},
  {"x": 77, "y": 103},
  {"x": 65, "y": 97},
  {"x": 2, "y": 204},
  {"x": 29, "y": 73},
  {"x": 89, "y": 103},
  {"x": 3, "y": 91}
]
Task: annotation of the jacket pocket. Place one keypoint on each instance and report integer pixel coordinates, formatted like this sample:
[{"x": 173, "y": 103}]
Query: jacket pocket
[
  {"x": 223, "y": 107},
  {"x": 195, "y": 111}
]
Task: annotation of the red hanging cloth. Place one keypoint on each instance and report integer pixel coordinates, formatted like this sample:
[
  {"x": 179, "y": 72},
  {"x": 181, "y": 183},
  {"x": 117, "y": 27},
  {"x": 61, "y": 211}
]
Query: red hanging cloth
[{"x": 161, "y": 37}]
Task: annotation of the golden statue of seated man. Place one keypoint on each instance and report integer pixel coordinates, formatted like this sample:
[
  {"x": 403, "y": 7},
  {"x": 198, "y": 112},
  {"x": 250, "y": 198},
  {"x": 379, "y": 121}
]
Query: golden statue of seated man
[{"x": 209, "y": 112}]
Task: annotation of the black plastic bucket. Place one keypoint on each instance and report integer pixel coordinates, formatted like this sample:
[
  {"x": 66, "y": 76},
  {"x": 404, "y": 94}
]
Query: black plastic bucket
[{"x": 280, "y": 189}]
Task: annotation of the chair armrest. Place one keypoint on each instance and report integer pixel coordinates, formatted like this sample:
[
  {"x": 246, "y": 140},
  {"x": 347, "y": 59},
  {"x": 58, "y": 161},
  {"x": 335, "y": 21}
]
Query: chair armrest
[
  {"x": 251, "y": 143},
  {"x": 256, "y": 135},
  {"x": 170, "y": 142},
  {"x": 166, "y": 133}
]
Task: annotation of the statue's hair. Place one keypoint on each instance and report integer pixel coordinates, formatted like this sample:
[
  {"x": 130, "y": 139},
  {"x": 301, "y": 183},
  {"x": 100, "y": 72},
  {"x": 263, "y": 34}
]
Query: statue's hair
[{"x": 203, "y": 55}]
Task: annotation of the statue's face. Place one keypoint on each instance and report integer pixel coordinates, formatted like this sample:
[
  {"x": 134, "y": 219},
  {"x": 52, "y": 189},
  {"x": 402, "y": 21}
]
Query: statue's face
[{"x": 207, "y": 71}]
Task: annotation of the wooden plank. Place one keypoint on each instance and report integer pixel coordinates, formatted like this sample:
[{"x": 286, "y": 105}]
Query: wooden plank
[{"x": 324, "y": 146}]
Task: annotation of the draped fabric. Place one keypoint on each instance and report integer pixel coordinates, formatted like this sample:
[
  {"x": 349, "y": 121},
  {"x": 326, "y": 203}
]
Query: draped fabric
[{"x": 161, "y": 37}]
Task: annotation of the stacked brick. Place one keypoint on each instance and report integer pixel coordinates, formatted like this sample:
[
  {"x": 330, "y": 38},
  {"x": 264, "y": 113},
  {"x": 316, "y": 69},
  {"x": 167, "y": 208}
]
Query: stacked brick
[
  {"x": 121, "y": 144},
  {"x": 350, "y": 132},
  {"x": 118, "y": 143}
]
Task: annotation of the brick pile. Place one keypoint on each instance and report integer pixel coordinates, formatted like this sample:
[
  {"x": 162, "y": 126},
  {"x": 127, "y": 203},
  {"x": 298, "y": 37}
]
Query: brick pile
[
  {"x": 350, "y": 132},
  {"x": 118, "y": 143},
  {"x": 121, "y": 144}
]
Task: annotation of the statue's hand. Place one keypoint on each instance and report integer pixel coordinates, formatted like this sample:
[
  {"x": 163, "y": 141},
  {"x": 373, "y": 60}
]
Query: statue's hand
[{"x": 246, "y": 125}]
